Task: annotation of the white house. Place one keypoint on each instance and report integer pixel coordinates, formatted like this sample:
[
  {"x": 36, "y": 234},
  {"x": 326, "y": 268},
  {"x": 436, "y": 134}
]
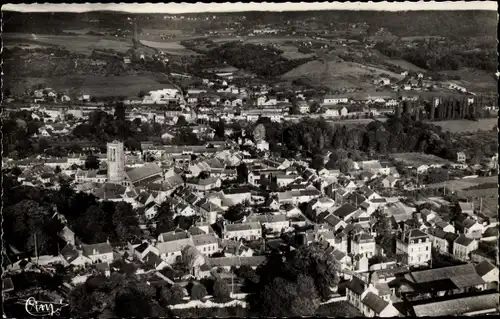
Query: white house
[
  {"x": 102, "y": 252},
  {"x": 334, "y": 100},
  {"x": 415, "y": 245},
  {"x": 207, "y": 244},
  {"x": 262, "y": 145},
  {"x": 248, "y": 231}
]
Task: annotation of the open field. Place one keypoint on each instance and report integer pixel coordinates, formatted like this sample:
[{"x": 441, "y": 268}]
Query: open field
[
  {"x": 170, "y": 47},
  {"x": 459, "y": 126},
  {"x": 417, "y": 159},
  {"x": 405, "y": 65},
  {"x": 339, "y": 74},
  {"x": 291, "y": 52},
  {"x": 83, "y": 44},
  {"x": 465, "y": 183},
  {"x": 475, "y": 80},
  {"x": 98, "y": 86}
]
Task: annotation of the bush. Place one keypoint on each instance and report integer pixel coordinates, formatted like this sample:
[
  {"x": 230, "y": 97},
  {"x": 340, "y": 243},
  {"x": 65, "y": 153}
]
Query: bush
[
  {"x": 198, "y": 292},
  {"x": 221, "y": 290}
]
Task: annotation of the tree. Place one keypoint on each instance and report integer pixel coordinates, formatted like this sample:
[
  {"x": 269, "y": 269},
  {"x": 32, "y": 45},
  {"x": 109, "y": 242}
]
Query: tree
[
  {"x": 165, "y": 218},
  {"x": 198, "y": 292},
  {"x": 171, "y": 295},
  {"x": 221, "y": 290},
  {"x": 285, "y": 298},
  {"x": 181, "y": 121},
  {"x": 91, "y": 162},
  {"x": 57, "y": 170},
  {"x": 235, "y": 213},
  {"x": 242, "y": 173},
  {"x": 141, "y": 94},
  {"x": 317, "y": 162},
  {"x": 43, "y": 144},
  {"x": 120, "y": 112},
  {"x": 220, "y": 130},
  {"x": 259, "y": 132}
]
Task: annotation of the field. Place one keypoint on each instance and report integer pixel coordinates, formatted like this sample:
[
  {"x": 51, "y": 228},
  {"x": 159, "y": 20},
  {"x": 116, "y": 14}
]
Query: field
[
  {"x": 475, "y": 80},
  {"x": 463, "y": 184},
  {"x": 83, "y": 44},
  {"x": 291, "y": 52},
  {"x": 417, "y": 159},
  {"x": 170, "y": 47},
  {"x": 98, "y": 86},
  {"x": 339, "y": 74},
  {"x": 459, "y": 126}
]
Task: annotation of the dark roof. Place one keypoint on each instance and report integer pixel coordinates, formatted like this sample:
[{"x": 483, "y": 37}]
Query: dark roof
[
  {"x": 344, "y": 210},
  {"x": 239, "y": 190},
  {"x": 69, "y": 253},
  {"x": 458, "y": 306},
  {"x": 463, "y": 240},
  {"x": 484, "y": 267},
  {"x": 142, "y": 247},
  {"x": 356, "y": 285},
  {"x": 374, "y": 302},
  {"x": 461, "y": 276},
  {"x": 152, "y": 259},
  {"x": 332, "y": 220}
]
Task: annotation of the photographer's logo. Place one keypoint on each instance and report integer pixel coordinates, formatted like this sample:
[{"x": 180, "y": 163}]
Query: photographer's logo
[{"x": 43, "y": 308}]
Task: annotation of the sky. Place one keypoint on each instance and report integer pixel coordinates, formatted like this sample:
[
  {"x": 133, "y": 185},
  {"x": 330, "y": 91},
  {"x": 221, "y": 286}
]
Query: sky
[{"x": 235, "y": 7}]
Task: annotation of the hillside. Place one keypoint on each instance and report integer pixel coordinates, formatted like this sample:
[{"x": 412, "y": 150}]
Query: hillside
[{"x": 339, "y": 74}]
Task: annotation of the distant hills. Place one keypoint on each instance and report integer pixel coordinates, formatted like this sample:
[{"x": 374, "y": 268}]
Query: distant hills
[{"x": 405, "y": 23}]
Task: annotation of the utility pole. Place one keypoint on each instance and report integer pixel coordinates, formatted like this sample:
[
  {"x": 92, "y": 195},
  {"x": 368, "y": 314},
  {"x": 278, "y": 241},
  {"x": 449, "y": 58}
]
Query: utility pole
[{"x": 36, "y": 249}]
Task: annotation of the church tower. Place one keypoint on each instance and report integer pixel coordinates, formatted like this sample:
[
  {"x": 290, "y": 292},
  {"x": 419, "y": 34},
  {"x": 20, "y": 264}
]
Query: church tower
[{"x": 116, "y": 162}]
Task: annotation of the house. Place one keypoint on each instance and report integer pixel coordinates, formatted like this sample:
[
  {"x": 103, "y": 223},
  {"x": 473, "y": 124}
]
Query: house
[
  {"x": 465, "y": 208},
  {"x": 389, "y": 181},
  {"x": 204, "y": 184},
  {"x": 207, "y": 244},
  {"x": 236, "y": 195},
  {"x": 334, "y": 100},
  {"x": 383, "y": 81},
  {"x": 488, "y": 272},
  {"x": 363, "y": 244},
  {"x": 374, "y": 306},
  {"x": 332, "y": 111},
  {"x": 392, "y": 102},
  {"x": 153, "y": 260},
  {"x": 439, "y": 240},
  {"x": 415, "y": 247},
  {"x": 262, "y": 145},
  {"x": 143, "y": 249},
  {"x": 71, "y": 256},
  {"x": 248, "y": 231},
  {"x": 346, "y": 212},
  {"x": 102, "y": 252},
  {"x": 170, "y": 245},
  {"x": 461, "y": 157},
  {"x": 463, "y": 246},
  {"x": 443, "y": 281},
  {"x": 354, "y": 289},
  {"x": 276, "y": 223}
]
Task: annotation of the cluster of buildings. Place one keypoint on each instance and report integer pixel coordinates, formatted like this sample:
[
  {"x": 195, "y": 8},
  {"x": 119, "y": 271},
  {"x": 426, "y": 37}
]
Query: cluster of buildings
[{"x": 283, "y": 196}]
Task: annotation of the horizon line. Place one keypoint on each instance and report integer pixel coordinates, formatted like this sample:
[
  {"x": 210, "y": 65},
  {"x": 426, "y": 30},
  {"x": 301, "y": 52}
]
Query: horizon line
[{"x": 188, "y": 8}]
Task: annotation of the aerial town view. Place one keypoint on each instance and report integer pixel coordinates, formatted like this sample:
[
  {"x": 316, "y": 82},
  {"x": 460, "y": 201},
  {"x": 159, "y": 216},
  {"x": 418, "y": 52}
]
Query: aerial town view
[{"x": 250, "y": 160}]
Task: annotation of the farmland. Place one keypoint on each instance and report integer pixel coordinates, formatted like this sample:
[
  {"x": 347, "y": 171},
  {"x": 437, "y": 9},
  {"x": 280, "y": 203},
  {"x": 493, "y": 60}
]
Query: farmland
[
  {"x": 465, "y": 183},
  {"x": 460, "y": 126},
  {"x": 170, "y": 47},
  {"x": 417, "y": 159},
  {"x": 98, "y": 86},
  {"x": 83, "y": 44},
  {"x": 339, "y": 74}
]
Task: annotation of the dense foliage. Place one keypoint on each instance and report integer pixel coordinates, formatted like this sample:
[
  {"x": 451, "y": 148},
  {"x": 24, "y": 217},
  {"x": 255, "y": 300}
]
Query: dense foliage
[
  {"x": 437, "y": 56},
  {"x": 265, "y": 61},
  {"x": 294, "y": 286},
  {"x": 403, "y": 134}
]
